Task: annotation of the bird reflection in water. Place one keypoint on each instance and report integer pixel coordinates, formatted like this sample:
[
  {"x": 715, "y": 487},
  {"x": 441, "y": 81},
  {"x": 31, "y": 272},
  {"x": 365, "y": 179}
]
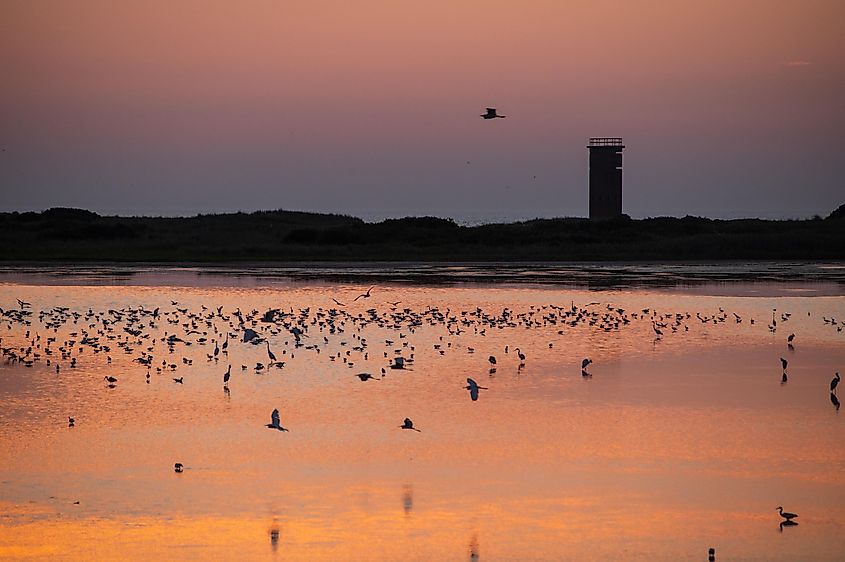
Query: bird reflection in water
[
  {"x": 408, "y": 498},
  {"x": 787, "y": 523},
  {"x": 784, "y": 379},
  {"x": 274, "y": 536},
  {"x": 473, "y": 548},
  {"x": 835, "y": 401}
]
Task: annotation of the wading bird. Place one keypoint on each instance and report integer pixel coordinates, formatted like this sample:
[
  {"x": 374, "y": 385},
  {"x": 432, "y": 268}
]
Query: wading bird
[
  {"x": 178, "y": 467},
  {"x": 785, "y": 514},
  {"x": 784, "y": 363},
  {"x": 834, "y": 383},
  {"x": 227, "y": 374}
]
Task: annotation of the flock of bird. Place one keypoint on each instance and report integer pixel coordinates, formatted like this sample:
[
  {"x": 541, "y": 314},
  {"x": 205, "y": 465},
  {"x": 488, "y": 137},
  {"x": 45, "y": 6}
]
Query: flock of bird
[{"x": 153, "y": 336}]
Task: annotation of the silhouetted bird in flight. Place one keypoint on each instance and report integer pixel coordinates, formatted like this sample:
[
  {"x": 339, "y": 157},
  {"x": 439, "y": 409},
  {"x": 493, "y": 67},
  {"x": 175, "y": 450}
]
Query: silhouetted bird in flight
[
  {"x": 473, "y": 388},
  {"x": 274, "y": 421},
  {"x": 364, "y": 295},
  {"x": 491, "y": 114},
  {"x": 337, "y": 302},
  {"x": 408, "y": 424},
  {"x": 365, "y": 377}
]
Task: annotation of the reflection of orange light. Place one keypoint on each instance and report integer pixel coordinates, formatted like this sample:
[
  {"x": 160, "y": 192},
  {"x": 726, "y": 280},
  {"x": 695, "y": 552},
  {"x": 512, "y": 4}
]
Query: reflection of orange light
[{"x": 666, "y": 444}]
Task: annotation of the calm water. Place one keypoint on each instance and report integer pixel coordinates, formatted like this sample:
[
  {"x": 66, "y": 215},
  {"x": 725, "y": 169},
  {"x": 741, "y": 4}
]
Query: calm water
[{"x": 674, "y": 445}]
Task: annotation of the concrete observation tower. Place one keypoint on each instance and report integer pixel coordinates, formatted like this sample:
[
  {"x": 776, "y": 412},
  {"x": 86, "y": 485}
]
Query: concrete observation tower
[{"x": 605, "y": 177}]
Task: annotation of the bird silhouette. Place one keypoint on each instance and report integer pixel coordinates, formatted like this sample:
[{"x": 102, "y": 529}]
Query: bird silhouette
[
  {"x": 274, "y": 421},
  {"x": 785, "y": 514},
  {"x": 227, "y": 374},
  {"x": 178, "y": 467},
  {"x": 337, "y": 302},
  {"x": 784, "y": 363},
  {"x": 270, "y": 354},
  {"x": 408, "y": 424},
  {"x": 179, "y": 380},
  {"x": 473, "y": 388},
  {"x": 364, "y": 295},
  {"x": 585, "y": 363},
  {"x": 491, "y": 114},
  {"x": 834, "y": 383}
]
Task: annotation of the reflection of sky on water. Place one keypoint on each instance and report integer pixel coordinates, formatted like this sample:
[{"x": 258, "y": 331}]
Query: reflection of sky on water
[{"x": 673, "y": 445}]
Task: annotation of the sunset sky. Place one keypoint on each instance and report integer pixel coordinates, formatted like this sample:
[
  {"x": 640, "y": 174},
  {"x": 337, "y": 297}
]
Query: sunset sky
[{"x": 727, "y": 108}]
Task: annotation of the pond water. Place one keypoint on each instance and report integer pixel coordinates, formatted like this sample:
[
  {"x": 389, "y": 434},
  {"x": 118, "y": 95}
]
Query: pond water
[{"x": 670, "y": 444}]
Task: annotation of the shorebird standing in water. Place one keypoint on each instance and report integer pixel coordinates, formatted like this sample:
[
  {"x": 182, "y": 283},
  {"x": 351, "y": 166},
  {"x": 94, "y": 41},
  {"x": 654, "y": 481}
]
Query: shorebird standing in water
[
  {"x": 785, "y": 514},
  {"x": 834, "y": 383}
]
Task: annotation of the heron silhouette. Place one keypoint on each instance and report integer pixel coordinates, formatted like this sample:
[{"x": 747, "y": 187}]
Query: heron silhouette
[
  {"x": 227, "y": 374},
  {"x": 834, "y": 383},
  {"x": 491, "y": 114},
  {"x": 270, "y": 354},
  {"x": 785, "y": 514},
  {"x": 784, "y": 363},
  {"x": 274, "y": 421},
  {"x": 473, "y": 388},
  {"x": 408, "y": 424}
]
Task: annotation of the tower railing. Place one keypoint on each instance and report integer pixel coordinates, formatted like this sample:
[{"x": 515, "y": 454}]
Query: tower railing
[{"x": 605, "y": 141}]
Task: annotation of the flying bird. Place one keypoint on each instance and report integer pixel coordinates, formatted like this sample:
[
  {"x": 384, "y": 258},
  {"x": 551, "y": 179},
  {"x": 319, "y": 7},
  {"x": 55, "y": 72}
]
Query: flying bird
[
  {"x": 364, "y": 295},
  {"x": 408, "y": 424},
  {"x": 473, "y": 388},
  {"x": 274, "y": 421},
  {"x": 337, "y": 302},
  {"x": 491, "y": 114}
]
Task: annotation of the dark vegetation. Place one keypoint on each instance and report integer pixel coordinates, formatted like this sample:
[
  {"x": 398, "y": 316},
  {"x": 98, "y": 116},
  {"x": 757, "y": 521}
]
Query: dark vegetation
[{"x": 77, "y": 235}]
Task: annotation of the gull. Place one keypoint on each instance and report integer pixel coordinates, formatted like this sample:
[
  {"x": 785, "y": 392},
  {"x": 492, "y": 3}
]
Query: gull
[
  {"x": 274, "y": 421},
  {"x": 408, "y": 424},
  {"x": 364, "y": 295},
  {"x": 491, "y": 114},
  {"x": 179, "y": 380},
  {"x": 473, "y": 388},
  {"x": 337, "y": 302}
]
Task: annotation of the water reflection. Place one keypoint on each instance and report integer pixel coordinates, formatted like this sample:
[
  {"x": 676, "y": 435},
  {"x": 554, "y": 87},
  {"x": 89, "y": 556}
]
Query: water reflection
[
  {"x": 540, "y": 464},
  {"x": 473, "y": 548},
  {"x": 408, "y": 498},
  {"x": 835, "y": 401},
  {"x": 787, "y": 523}
]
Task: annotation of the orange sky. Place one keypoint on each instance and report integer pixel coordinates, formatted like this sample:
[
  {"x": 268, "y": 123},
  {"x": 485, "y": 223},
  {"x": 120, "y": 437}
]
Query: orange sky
[{"x": 728, "y": 108}]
